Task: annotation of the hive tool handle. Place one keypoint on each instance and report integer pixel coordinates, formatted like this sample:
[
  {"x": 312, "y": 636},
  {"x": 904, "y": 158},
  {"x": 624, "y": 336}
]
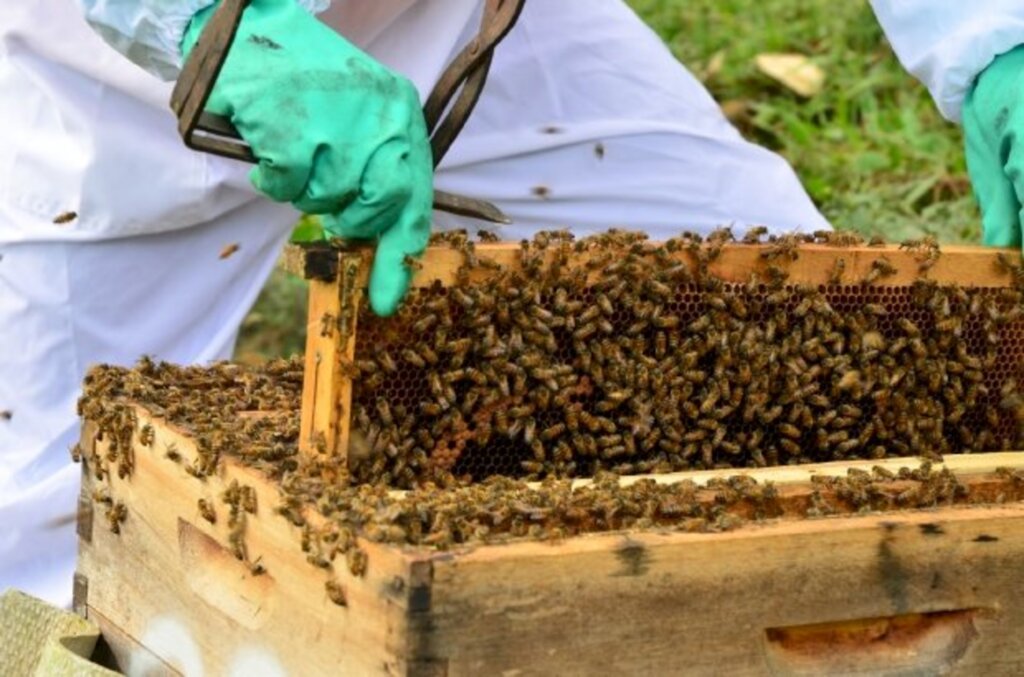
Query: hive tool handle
[{"x": 446, "y": 111}]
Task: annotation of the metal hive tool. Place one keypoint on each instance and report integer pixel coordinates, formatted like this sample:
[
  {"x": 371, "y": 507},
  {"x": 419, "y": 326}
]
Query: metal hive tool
[{"x": 446, "y": 111}]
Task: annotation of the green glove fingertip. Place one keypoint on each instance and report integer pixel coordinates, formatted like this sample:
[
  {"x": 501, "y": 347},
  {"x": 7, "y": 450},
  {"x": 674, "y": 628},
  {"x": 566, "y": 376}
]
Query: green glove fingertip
[{"x": 388, "y": 289}]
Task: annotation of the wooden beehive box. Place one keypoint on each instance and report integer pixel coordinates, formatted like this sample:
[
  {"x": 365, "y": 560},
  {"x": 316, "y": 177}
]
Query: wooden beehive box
[
  {"x": 903, "y": 592},
  {"x": 918, "y": 592}
]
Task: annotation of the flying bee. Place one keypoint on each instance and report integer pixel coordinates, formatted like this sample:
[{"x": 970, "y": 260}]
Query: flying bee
[
  {"x": 599, "y": 150},
  {"x": 229, "y": 250},
  {"x": 65, "y": 218}
]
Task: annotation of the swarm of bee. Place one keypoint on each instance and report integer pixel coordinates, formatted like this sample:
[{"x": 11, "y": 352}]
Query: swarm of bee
[
  {"x": 615, "y": 354},
  {"x": 204, "y": 402},
  {"x": 600, "y": 358}
]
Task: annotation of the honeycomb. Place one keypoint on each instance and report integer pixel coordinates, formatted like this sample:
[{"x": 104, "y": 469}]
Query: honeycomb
[{"x": 611, "y": 356}]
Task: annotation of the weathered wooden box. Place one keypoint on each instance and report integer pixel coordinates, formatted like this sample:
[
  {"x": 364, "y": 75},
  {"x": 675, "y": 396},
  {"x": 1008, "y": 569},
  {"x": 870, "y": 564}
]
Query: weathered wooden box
[
  {"x": 922, "y": 592},
  {"x": 901, "y": 592}
]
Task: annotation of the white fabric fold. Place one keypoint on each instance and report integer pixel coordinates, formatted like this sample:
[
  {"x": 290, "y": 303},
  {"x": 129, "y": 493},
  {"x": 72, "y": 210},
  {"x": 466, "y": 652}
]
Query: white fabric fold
[{"x": 946, "y": 44}]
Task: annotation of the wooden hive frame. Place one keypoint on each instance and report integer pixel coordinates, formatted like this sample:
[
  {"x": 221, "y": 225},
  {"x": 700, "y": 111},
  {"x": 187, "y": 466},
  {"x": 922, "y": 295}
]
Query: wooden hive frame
[{"x": 338, "y": 277}]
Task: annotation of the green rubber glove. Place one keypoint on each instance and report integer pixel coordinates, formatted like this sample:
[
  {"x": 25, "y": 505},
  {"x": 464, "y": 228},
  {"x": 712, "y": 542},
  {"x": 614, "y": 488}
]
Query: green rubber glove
[
  {"x": 336, "y": 134},
  {"x": 993, "y": 118}
]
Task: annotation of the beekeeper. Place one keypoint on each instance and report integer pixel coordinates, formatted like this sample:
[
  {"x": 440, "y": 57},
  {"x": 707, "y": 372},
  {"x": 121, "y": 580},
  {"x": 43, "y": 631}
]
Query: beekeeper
[{"x": 584, "y": 102}]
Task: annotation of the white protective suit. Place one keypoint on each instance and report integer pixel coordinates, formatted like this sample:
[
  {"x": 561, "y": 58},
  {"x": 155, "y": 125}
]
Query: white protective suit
[{"x": 82, "y": 129}]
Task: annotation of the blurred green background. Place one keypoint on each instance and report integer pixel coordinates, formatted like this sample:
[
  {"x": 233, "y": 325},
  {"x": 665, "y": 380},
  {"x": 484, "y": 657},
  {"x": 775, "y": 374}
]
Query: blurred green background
[{"x": 872, "y": 150}]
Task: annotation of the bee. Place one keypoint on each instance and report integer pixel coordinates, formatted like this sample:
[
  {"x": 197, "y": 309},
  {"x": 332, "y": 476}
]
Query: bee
[
  {"x": 247, "y": 499},
  {"x": 171, "y": 452},
  {"x": 754, "y": 235},
  {"x": 599, "y": 150},
  {"x": 116, "y": 515},
  {"x": 147, "y": 435},
  {"x": 357, "y": 561},
  {"x": 542, "y": 192},
  {"x": 789, "y": 430},
  {"x": 207, "y": 512},
  {"x": 65, "y": 217},
  {"x": 908, "y": 327},
  {"x": 229, "y": 250},
  {"x": 413, "y": 358},
  {"x": 849, "y": 381},
  {"x": 327, "y": 324},
  {"x": 412, "y": 263},
  {"x": 336, "y": 592},
  {"x": 880, "y": 268},
  {"x": 236, "y": 539},
  {"x": 102, "y": 495},
  {"x": 6, "y": 414},
  {"x": 658, "y": 289},
  {"x": 384, "y": 412},
  {"x": 782, "y": 247},
  {"x": 386, "y": 362}
]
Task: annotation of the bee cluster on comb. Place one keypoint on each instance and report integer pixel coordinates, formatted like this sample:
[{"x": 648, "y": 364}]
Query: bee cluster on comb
[
  {"x": 612, "y": 354},
  {"x": 599, "y": 358}
]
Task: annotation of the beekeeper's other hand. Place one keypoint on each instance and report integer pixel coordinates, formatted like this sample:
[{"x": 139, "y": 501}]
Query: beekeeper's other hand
[{"x": 993, "y": 118}]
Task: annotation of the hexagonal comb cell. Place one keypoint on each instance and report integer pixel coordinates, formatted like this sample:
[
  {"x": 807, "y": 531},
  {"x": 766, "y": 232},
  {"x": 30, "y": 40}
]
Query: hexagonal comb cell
[{"x": 608, "y": 355}]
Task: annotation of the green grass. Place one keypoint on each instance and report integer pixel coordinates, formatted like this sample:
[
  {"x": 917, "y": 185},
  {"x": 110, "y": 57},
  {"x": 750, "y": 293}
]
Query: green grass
[{"x": 871, "y": 148}]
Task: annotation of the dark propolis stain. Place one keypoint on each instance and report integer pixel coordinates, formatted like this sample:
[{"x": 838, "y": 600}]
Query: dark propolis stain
[
  {"x": 986, "y": 538},
  {"x": 263, "y": 41},
  {"x": 635, "y": 559},
  {"x": 891, "y": 571},
  {"x": 1002, "y": 117},
  {"x": 930, "y": 529}
]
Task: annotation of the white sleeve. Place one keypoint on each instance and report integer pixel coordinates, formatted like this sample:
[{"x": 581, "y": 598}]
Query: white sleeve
[
  {"x": 947, "y": 43},
  {"x": 149, "y": 32}
]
